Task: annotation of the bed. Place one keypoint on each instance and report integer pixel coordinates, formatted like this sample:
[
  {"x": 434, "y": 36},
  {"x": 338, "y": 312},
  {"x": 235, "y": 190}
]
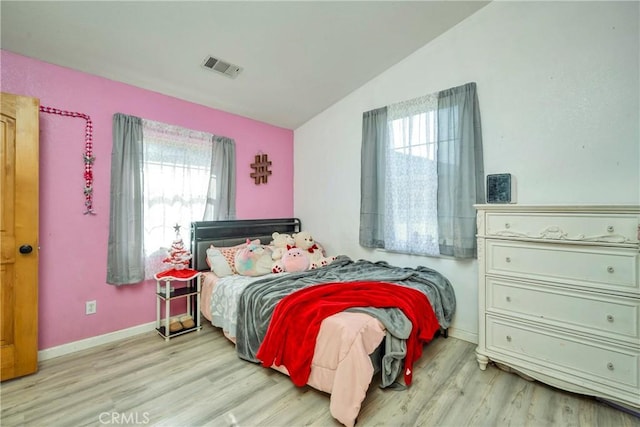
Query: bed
[{"x": 333, "y": 327}]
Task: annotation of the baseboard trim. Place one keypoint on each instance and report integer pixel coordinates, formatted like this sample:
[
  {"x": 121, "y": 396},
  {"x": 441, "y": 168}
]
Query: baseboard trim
[
  {"x": 72, "y": 347},
  {"x": 463, "y": 335},
  {"x": 84, "y": 344}
]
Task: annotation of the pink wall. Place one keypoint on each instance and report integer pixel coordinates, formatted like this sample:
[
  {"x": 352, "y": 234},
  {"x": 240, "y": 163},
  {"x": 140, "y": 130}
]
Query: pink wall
[{"x": 73, "y": 246}]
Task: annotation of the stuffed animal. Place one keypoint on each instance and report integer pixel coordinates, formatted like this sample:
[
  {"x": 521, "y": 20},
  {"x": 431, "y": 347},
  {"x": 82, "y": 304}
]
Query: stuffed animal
[
  {"x": 304, "y": 240},
  {"x": 322, "y": 262},
  {"x": 295, "y": 259},
  {"x": 253, "y": 260},
  {"x": 280, "y": 244}
]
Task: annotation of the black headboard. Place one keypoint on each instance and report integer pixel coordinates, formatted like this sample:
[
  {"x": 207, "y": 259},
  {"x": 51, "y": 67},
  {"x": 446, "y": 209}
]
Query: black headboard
[{"x": 233, "y": 232}]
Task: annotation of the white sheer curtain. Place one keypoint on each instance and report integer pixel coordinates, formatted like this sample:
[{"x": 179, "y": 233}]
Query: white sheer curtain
[
  {"x": 177, "y": 172},
  {"x": 411, "y": 194}
]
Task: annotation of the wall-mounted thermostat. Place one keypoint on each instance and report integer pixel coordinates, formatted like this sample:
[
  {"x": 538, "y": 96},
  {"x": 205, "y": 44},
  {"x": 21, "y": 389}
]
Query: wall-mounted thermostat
[{"x": 501, "y": 188}]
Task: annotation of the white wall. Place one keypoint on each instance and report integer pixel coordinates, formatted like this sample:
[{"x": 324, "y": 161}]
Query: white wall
[{"x": 558, "y": 86}]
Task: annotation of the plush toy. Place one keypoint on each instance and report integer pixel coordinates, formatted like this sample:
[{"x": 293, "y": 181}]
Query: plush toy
[
  {"x": 322, "y": 262},
  {"x": 295, "y": 259},
  {"x": 253, "y": 260},
  {"x": 304, "y": 240},
  {"x": 280, "y": 244}
]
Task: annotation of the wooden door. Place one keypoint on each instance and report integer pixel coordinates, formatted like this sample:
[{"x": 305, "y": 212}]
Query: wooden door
[{"x": 19, "y": 149}]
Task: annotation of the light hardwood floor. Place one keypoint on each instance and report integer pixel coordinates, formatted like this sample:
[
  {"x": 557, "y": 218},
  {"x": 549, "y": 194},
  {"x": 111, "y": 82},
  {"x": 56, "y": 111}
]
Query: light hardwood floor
[{"x": 197, "y": 380}]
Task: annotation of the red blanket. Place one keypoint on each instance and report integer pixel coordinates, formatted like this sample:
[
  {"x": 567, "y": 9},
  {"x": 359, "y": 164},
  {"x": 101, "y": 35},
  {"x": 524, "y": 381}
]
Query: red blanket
[{"x": 291, "y": 337}]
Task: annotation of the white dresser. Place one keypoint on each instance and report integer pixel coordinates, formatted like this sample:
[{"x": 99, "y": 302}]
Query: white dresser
[{"x": 559, "y": 296}]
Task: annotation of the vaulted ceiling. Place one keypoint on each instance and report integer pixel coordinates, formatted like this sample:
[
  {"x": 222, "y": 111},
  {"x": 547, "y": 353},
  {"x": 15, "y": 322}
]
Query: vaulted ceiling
[{"x": 297, "y": 57}]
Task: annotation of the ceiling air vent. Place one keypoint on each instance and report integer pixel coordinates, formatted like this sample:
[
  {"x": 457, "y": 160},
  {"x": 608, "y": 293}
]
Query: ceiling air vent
[{"x": 221, "y": 67}]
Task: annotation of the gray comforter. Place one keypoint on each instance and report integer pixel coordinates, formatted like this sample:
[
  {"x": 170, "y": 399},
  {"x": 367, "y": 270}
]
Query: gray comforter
[{"x": 259, "y": 299}]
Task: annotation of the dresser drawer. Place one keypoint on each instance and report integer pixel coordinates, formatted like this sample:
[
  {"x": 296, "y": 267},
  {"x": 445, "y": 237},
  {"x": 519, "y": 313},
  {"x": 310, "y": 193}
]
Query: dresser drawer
[
  {"x": 592, "y": 314},
  {"x": 592, "y": 362},
  {"x": 568, "y": 227},
  {"x": 584, "y": 266}
]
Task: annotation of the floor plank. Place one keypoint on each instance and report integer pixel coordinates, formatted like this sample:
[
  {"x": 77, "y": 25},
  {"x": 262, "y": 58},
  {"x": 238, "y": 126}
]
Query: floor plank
[{"x": 197, "y": 380}]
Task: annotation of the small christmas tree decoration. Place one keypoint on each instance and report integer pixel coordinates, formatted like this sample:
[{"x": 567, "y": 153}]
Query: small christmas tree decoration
[{"x": 179, "y": 257}]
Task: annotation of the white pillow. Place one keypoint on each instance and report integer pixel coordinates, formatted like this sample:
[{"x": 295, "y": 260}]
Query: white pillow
[{"x": 218, "y": 263}]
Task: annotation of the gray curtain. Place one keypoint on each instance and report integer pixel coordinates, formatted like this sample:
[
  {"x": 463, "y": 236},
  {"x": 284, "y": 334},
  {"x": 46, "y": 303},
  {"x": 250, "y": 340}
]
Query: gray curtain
[
  {"x": 375, "y": 135},
  {"x": 125, "y": 255},
  {"x": 221, "y": 196},
  {"x": 460, "y": 170}
]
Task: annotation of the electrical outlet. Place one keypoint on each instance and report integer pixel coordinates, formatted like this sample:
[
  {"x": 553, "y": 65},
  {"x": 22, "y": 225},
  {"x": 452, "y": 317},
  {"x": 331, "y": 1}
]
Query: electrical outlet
[{"x": 90, "y": 307}]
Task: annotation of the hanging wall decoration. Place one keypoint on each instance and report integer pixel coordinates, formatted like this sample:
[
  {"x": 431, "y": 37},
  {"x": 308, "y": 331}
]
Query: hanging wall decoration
[
  {"x": 261, "y": 170},
  {"x": 88, "y": 157}
]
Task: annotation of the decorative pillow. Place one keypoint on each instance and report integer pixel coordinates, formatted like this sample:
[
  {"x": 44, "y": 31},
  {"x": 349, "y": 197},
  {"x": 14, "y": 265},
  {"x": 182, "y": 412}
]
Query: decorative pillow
[
  {"x": 253, "y": 260},
  {"x": 222, "y": 260},
  {"x": 218, "y": 262}
]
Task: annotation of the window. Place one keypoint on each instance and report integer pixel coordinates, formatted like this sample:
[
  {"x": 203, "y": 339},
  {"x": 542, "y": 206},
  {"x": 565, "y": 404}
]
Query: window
[
  {"x": 421, "y": 174},
  {"x": 162, "y": 175},
  {"x": 177, "y": 175}
]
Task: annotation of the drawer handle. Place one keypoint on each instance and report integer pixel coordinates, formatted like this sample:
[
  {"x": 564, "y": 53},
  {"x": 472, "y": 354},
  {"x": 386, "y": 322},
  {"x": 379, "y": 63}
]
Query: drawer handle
[
  {"x": 509, "y": 338},
  {"x": 610, "y": 269},
  {"x": 507, "y": 225},
  {"x": 508, "y": 259},
  {"x": 610, "y": 366},
  {"x": 508, "y": 299},
  {"x": 610, "y": 229},
  {"x": 609, "y": 318}
]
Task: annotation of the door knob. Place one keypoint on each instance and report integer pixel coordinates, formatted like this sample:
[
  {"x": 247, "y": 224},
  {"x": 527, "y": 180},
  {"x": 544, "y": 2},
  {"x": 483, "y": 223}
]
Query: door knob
[{"x": 25, "y": 249}]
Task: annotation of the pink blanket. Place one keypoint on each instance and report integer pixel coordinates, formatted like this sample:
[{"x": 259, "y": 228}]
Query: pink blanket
[
  {"x": 291, "y": 336},
  {"x": 341, "y": 365}
]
